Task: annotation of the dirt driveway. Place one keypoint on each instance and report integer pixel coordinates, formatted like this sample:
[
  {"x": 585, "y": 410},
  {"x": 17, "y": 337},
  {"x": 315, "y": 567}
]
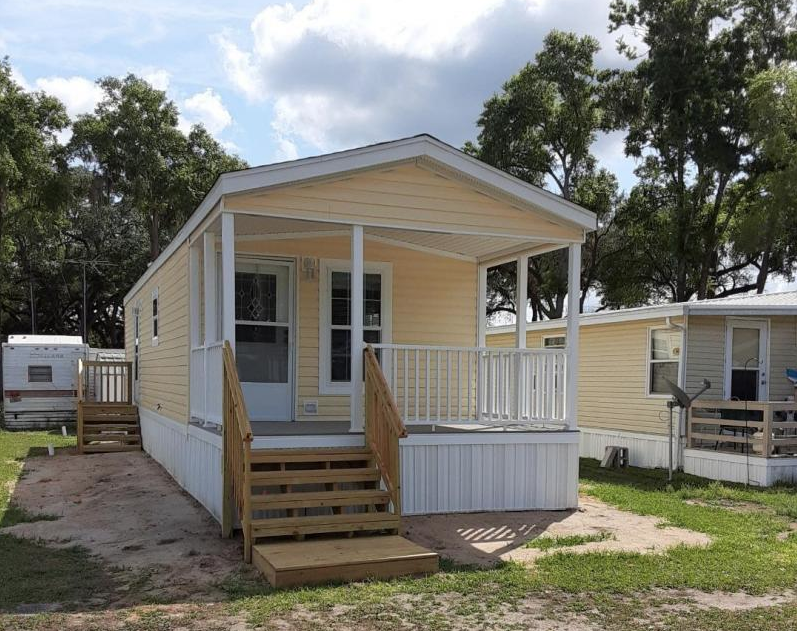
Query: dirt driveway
[{"x": 124, "y": 508}]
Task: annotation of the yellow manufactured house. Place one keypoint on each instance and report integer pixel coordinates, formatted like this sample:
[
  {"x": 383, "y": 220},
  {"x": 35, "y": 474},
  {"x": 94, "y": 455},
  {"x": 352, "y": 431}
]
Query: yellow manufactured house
[
  {"x": 323, "y": 321},
  {"x": 743, "y": 345}
]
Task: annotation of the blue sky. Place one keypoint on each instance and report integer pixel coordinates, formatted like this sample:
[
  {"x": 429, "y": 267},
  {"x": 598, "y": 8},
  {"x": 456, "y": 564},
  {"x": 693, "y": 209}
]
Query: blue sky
[{"x": 277, "y": 80}]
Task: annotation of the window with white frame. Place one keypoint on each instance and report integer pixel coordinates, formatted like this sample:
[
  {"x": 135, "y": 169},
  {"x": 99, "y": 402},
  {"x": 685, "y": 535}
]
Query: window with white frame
[
  {"x": 335, "y": 320},
  {"x": 155, "y": 317},
  {"x": 553, "y": 341},
  {"x": 664, "y": 353},
  {"x": 40, "y": 374}
]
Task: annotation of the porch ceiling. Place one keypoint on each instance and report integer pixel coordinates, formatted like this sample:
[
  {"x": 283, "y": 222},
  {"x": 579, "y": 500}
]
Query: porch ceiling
[{"x": 472, "y": 247}]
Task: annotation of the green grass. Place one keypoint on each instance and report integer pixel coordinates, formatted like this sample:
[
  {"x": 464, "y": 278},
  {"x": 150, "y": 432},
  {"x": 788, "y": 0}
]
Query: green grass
[
  {"x": 567, "y": 541},
  {"x": 31, "y": 571},
  {"x": 748, "y": 551},
  {"x": 15, "y": 447}
]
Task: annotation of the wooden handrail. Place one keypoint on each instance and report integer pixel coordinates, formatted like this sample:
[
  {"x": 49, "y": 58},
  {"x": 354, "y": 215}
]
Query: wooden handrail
[
  {"x": 769, "y": 433},
  {"x": 237, "y": 453},
  {"x": 383, "y": 427},
  {"x": 104, "y": 382}
]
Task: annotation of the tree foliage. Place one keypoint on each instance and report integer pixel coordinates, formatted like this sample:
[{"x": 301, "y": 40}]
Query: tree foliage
[
  {"x": 685, "y": 105},
  {"x": 541, "y": 128},
  {"x": 105, "y": 204}
]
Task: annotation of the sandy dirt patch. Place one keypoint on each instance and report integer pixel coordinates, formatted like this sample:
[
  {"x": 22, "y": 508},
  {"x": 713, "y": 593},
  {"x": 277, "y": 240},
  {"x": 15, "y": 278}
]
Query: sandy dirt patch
[
  {"x": 124, "y": 508},
  {"x": 486, "y": 538}
]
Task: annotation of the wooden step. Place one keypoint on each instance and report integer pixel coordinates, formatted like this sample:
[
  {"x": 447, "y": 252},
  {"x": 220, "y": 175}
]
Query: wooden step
[
  {"x": 311, "y": 562},
  {"x": 122, "y": 438},
  {"x": 276, "y": 501},
  {"x": 112, "y": 427},
  {"x": 314, "y": 476},
  {"x": 108, "y": 447},
  {"x": 266, "y": 456},
  {"x": 125, "y": 416},
  {"x": 348, "y": 522}
]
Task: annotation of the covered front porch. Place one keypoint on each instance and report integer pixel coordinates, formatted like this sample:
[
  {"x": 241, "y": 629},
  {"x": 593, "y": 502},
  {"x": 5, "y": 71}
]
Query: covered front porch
[{"x": 293, "y": 297}]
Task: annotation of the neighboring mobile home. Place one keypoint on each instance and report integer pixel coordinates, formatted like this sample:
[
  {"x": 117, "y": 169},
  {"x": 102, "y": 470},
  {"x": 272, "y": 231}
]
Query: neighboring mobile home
[
  {"x": 743, "y": 345},
  {"x": 298, "y": 265},
  {"x": 39, "y": 380}
]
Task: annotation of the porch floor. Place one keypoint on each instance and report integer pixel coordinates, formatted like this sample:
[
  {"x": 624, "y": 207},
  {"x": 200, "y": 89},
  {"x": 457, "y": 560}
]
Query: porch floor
[{"x": 341, "y": 428}]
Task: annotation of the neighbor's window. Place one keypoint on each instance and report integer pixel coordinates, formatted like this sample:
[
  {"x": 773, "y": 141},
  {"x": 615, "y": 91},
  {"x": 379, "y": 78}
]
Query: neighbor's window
[
  {"x": 665, "y": 351},
  {"x": 553, "y": 341},
  {"x": 155, "y": 317},
  {"x": 336, "y": 319},
  {"x": 40, "y": 374}
]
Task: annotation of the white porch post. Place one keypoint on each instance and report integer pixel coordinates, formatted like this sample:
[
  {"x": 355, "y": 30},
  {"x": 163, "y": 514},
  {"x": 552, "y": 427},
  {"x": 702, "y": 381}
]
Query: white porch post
[
  {"x": 481, "y": 306},
  {"x": 521, "y": 299},
  {"x": 228, "y": 278},
  {"x": 209, "y": 268},
  {"x": 357, "y": 345},
  {"x": 573, "y": 299}
]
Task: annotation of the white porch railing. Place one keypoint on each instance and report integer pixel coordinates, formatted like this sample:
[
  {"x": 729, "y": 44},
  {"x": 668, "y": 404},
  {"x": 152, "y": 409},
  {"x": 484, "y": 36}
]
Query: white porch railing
[
  {"x": 491, "y": 386},
  {"x": 206, "y": 382}
]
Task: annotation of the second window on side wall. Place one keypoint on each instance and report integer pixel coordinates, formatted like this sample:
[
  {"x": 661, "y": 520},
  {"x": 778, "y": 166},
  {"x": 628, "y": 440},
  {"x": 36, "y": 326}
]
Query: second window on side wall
[
  {"x": 665, "y": 353},
  {"x": 155, "y": 317}
]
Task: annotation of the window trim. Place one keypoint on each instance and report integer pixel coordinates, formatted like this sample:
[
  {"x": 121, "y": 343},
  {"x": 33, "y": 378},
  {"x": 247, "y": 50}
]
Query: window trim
[
  {"x": 155, "y": 318},
  {"x": 49, "y": 366},
  {"x": 551, "y": 337},
  {"x": 325, "y": 384},
  {"x": 649, "y": 361}
]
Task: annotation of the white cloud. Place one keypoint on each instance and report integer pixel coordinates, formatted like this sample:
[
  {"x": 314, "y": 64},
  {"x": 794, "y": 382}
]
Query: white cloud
[
  {"x": 206, "y": 108},
  {"x": 19, "y": 79},
  {"x": 340, "y": 73},
  {"x": 78, "y": 94},
  {"x": 286, "y": 149},
  {"x": 158, "y": 78}
]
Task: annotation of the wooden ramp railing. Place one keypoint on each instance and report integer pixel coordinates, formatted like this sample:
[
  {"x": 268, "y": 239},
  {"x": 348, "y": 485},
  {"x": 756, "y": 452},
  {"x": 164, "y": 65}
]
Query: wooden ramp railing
[
  {"x": 383, "y": 427},
  {"x": 107, "y": 418},
  {"x": 237, "y": 453}
]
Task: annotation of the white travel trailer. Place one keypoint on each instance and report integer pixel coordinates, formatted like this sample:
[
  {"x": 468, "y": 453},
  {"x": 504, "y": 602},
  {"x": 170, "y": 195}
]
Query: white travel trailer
[{"x": 39, "y": 380}]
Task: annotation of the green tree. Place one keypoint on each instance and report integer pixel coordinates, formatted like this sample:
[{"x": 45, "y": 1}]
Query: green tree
[
  {"x": 31, "y": 165},
  {"x": 541, "y": 128},
  {"x": 685, "y": 108},
  {"x": 133, "y": 143}
]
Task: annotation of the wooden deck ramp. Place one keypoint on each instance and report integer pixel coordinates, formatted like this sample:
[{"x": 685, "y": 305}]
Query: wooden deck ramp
[
  {"x": 107, "y": 418},
  {"x": 321, "y": 514}
]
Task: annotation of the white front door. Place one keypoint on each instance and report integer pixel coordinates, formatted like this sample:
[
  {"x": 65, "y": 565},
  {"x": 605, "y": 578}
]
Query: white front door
[
  {"x": 264, "y": 339},
  {"x": 746, "y": 362}
]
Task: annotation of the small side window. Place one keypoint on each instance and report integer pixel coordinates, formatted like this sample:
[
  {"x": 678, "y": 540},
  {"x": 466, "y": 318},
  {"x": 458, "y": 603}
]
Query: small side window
[
  {"x": 553, "y": 341},
  {"x": 40, "y": 374},
  {"x": 155, "y": 317}
]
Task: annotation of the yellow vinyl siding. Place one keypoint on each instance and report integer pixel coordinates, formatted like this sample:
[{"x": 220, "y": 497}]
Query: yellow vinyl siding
[
  {"x": 612, "y": 387},
  {"x": 163, "y": 368},
  {"x": 434, "y": 302},
  {"x": 706, "y": 354},
  {"x": 402, "y": 196}
]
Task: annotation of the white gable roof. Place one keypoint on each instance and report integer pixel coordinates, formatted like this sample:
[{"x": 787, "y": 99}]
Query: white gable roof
[{"x": 422, "y": 146}]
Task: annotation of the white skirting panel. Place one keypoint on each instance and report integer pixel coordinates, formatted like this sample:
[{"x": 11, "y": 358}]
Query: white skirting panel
[
  {"x": 754, "y": 470},
  {"x": 465, "y": 473},
  {"x": 192, "y": 456},
  {"x": 650, "y": 451}
]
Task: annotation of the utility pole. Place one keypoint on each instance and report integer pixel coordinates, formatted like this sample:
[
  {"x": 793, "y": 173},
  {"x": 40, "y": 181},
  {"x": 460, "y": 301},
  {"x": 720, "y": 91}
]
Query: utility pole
[{"x": 85, "y": 308}]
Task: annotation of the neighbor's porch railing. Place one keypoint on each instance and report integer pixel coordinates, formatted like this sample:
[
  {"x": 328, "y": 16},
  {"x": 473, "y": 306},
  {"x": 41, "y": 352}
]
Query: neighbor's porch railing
[
  {"x": 205, "y": 386},
  {"x": 760, "y": 428},
  {"x": 448, "y": 384}
]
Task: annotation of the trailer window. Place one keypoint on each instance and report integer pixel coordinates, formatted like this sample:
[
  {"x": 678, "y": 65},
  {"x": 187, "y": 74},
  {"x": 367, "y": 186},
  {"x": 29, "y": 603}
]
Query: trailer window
[{"x": 40, "y": 374}]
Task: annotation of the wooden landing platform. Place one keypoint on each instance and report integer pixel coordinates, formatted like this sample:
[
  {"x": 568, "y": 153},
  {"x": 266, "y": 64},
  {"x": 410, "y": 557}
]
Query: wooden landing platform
[{"x": 314, "y": 561}]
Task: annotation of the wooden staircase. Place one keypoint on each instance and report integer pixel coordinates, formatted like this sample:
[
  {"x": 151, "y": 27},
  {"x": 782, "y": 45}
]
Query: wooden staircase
[
  {"x": 321, "y": 514},
  {"x": 107, "y": 419}
]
